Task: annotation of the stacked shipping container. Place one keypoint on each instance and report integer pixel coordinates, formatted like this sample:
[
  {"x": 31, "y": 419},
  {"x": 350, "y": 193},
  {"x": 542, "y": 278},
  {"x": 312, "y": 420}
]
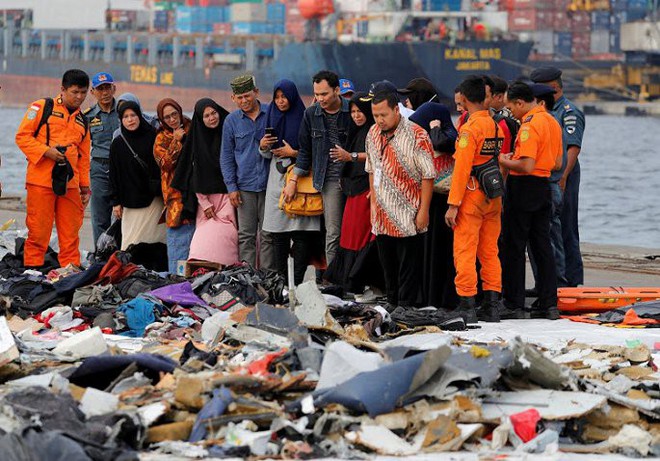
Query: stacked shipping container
[
  {"x": 240, "y": 17},
  {"x": 572, "y": 28}
]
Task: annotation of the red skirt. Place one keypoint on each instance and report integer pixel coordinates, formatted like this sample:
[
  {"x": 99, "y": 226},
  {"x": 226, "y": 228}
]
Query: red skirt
[{"x": 356, "y": 224}]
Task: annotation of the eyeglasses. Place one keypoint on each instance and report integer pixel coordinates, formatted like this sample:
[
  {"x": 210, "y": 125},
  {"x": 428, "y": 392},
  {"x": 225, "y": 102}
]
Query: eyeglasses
[{"x": 172, "y": 116}]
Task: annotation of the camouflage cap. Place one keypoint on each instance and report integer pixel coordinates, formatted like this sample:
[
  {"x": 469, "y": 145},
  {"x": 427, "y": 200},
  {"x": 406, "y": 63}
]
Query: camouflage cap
[{"x": 243, "y": 84}]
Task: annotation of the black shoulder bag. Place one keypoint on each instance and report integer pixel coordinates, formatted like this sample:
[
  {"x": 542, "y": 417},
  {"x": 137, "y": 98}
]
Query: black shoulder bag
[
  {"x": 154, "y": 184},
  {"x": 489, "y": 175}
]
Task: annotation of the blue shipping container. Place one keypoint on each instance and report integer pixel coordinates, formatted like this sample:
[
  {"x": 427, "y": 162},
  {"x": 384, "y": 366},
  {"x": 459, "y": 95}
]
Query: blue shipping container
[
  {"x": 615, "y": 42},
  {"x": 195, "y": 13},
  {"x": 563, "y": 43},
  {"x": 635, "y": 15},
  {"x": 362, "y": 28},
  {"x": 638, "y": 5},
  {"x": 619, "y": 5},
  {"x": 277, "y": 28},
  {"x": 616, "y": 19},
  {"x": 600, "y": 20},
  {"x": 217, "y": 14},
  {"x": 250, "y": 28},
  {"x": 441, "y": 5},
  {"x": 276, "y": 12}
]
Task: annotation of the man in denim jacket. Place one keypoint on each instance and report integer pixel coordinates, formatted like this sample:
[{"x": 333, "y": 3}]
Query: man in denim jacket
[
  {"x": 245, "y": 171},
  {"x": 324, "y": 129}
]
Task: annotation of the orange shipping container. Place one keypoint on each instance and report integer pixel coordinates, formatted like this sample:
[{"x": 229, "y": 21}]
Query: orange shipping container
[{"x": 522, "y": 20}]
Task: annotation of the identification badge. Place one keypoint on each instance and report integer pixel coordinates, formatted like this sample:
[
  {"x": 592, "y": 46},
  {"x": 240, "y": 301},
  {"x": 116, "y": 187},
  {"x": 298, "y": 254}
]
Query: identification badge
[{"x": 378, "y": 173}]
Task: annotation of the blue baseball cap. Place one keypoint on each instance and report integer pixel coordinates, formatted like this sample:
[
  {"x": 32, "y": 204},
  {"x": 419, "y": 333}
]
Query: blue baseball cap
[
  {"x": 101, "y": 79},
  {"x": 346, "y": 86}
]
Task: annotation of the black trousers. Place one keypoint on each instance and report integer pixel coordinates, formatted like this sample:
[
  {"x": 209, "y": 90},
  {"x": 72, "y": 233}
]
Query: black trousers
[
  {"x": 302, "y": 252},
  {"x": 527, "y": 215},
  {"x": 402, "y": 259}
]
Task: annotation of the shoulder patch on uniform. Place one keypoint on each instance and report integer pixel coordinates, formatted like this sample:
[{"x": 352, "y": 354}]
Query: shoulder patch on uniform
[
  {"x": 32, "y": 114},
  {"x": 570, "y": 129},
  {"x": 524, "y": 134},
  {"x": 463, "y": 140},
  {"x": 567, "y": 107},
  {"x": 87, "y": 111},
  {"x": 36, "y": 107},
  {"x": 528, "y": 119}
]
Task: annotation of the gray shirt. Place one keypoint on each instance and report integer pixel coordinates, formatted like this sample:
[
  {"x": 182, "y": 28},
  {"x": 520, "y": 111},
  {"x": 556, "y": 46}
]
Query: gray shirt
[
  {"x": 275, "y": 220},
  {"x": 101, "y": 127},
  {"x": 333, "y": 173}
]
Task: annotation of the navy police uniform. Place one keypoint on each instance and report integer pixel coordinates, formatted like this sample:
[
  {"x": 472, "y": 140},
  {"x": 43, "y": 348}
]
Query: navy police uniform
[
  {"x": 572, "y": 123},
  {"x": 101, "y": 127}
]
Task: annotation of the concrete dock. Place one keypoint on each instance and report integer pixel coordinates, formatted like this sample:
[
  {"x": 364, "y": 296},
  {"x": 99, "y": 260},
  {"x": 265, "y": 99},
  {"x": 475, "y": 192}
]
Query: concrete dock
[{"x": 605, "y": 265}]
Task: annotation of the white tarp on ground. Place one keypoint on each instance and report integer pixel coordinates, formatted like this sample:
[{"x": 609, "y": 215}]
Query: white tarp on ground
[{"x": 550, "y": 334}]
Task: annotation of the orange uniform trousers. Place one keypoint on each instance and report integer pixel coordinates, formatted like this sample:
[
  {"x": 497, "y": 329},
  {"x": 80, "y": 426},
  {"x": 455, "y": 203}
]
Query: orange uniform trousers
[
  {"x": 478, "y": 226},
  {"x": 44, "y": 207}
]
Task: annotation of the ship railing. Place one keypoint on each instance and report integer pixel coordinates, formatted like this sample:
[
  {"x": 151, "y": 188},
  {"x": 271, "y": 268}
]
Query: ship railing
[{"x": 139, "y": 48}]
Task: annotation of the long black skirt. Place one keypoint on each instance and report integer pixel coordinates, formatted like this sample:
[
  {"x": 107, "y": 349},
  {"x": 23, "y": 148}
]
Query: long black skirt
[{"x": 438, "y": 288}]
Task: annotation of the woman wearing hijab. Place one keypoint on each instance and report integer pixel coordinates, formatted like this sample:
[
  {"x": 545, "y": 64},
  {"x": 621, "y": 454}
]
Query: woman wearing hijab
[
  {"x": 135, "y": 179},
  {"x": 439, "y": 272},
  {"x": 356, "y": 264},
  {"x": 285, "y": 115},
  {"x": 203, "y": 191},
  {"x": 180, "y": 224},
  {"x": 418, "y": 91}
]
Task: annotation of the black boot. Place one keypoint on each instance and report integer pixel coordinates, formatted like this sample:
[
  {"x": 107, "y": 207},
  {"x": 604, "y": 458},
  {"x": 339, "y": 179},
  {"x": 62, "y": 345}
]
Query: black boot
[
  {"x": 490, "y": 307},
  {"x": 510, "y": 312},
  {"x": 466, "y": 309}
]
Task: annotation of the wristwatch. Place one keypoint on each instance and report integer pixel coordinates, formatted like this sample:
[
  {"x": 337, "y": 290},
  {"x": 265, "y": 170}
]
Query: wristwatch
[{"x": 354, "y": 156}]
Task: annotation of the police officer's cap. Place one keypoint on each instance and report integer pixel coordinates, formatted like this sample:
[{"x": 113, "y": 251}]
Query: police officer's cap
[
  {"x": 102, "y": 78},
  {"x": 540, "y": 89},
  {"x": 545, "y": 74},
  {"x": 384, "y": 86}
]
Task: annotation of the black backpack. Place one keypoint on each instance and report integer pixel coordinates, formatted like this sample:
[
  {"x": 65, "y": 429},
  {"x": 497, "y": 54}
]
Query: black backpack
[
  {"x": 511, "y": 123},
  {"x": 45, "y": 115},
  {"x": 140, "y": 281}
]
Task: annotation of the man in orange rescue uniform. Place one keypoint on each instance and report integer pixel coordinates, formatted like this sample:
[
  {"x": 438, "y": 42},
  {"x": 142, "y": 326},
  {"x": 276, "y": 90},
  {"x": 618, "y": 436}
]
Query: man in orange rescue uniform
[
  {"x": 64, "y": 129},
  {"x": 475, "y": 218},
  {"x": 528, "y": 205}
]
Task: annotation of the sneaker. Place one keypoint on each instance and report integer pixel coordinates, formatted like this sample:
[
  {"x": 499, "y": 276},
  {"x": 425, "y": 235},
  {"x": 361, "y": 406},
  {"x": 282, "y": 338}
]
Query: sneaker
[
  {"x": 550, "y": 313},
  {"x": 367, "y": 297}
]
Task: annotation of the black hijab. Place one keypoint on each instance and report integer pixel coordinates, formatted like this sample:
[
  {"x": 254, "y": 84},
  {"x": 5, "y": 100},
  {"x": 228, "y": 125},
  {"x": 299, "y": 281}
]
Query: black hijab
[
  {"x": 354, "y": 178},
  {"x": 357, "y": 135},
  {"x": 141, "y": 140},
  {"x": 198, "y": 169}
]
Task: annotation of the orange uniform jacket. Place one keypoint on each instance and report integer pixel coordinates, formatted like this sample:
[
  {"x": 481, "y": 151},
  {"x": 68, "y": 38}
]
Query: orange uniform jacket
[
  {"x": 65, "y": 129},
  {"x": 479, "y": 127},
  {"x": 539, "y": 138}
]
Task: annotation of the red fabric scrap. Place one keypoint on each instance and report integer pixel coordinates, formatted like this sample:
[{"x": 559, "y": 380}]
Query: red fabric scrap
[{"x": 524, "y": 424}]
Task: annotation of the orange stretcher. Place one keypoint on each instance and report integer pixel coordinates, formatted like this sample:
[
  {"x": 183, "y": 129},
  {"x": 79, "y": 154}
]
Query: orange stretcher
[{"x": 602, "y": 299}]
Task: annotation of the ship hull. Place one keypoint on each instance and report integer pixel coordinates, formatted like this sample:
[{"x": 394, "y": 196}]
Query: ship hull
[{"x": 25, "y": 79}]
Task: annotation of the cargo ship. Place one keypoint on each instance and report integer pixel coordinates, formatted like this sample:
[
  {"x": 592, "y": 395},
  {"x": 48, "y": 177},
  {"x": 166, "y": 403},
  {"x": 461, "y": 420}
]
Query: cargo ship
[
  {"x": 197, "y": 55},
  {"x": 192, "y": 50}
]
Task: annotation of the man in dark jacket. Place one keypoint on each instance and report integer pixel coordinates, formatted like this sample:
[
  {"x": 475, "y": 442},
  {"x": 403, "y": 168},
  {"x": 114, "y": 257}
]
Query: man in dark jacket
[{"x": 324, "y": 129}]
